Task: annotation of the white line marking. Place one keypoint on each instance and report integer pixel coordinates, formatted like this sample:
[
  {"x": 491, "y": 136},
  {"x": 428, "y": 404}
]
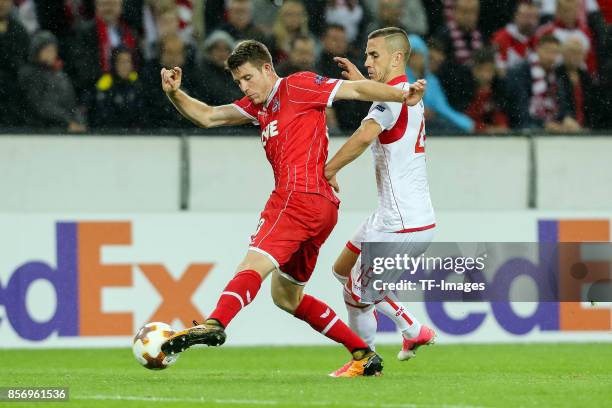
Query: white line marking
[{"x": 202, "y": 400}]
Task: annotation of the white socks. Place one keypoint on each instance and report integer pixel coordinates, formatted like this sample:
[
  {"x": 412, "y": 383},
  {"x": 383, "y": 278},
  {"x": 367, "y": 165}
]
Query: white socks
[
  {"x": 363, "y": 320},
  {"x": 398, "y": 312}
]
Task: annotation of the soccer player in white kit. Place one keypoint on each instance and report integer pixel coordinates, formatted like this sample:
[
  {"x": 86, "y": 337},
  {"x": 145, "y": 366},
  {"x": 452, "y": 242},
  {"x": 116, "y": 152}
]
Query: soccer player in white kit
[{"x": 396, "y": 134}]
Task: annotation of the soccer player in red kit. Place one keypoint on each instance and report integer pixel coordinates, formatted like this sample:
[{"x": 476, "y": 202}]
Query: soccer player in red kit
[{"x": 302, "y": 210}]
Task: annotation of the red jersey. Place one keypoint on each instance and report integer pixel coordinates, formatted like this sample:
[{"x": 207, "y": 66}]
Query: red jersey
[
  {"x": 562, "y": 32},
  {"x": 294, "y": 131},
  {"x": 512, "y": 46}
]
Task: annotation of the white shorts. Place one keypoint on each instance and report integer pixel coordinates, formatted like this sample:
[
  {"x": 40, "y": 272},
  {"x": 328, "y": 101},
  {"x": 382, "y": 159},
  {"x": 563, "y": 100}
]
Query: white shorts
[{"x": 411, "y": 243}]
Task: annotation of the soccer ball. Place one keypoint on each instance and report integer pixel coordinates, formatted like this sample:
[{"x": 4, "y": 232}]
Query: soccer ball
[{"x": 147, "y": 346}]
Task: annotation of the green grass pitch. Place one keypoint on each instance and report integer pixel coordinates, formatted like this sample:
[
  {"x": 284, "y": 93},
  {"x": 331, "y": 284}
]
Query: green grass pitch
[{"x": 543, "y": 375}]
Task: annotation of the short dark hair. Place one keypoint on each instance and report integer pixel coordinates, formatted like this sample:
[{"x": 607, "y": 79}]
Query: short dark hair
[
  {"x": 392, "y": 31},
  {"x": 249, "y": 51},
  {"x": 548, "y": 39}
]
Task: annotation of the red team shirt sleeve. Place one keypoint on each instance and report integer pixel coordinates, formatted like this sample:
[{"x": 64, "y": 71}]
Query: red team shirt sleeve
[
  {"x": 247, "y": 108},
  {"x": 309, "y": 90}
]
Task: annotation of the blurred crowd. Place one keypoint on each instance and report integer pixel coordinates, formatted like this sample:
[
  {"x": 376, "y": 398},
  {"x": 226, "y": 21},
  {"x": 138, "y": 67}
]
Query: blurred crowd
[{"x": 492, "y": 66}]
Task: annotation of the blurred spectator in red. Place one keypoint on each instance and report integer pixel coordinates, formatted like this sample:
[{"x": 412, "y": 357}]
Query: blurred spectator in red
[
  {"x": 575, "y": 86},
  {"x": 485, "y": 104},
  {"x": 240, "y": 24},
  {"x": 409, "y": 15},
  {"x": 606, "y": 10},
  {"x": 158, "y": 113},
  {"x": 567, "y": 23},
  {"x": 291, "y": 21},
  {"x": 515, "y": 41},
  {"x": 354, "y": 16},
  {"x": 532, "y": 89},
  {"x": 548, "y": 8},
  {"x": 93, "y": 41},
  {"x": 301, "y": 57},
  {"x": 219, "y": 88},
  {"x": 117, "y": 94},
  {"x": 49, "y": 95},
  {"x": 460, "y": 35},
  {"x": 14, "y": 42},
  {"x": 344, "y": 115}
]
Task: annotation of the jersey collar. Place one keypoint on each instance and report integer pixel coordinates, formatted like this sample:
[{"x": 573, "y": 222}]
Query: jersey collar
[
  {"x": 276, "y": 85},
  {"x": 398, "y": 80}
]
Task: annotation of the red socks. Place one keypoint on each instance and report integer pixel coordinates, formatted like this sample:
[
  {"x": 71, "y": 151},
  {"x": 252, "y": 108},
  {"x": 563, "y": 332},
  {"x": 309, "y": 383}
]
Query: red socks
[
  {"x": 243, "y": 288},
  {"x": 238, "y": 293},
  {"x": 324, "y": 320}
]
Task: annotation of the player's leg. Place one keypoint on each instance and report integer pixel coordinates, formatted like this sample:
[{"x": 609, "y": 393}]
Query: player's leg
[
  {"x": 318, "y": 218},
  {"x": 238, "y": 293},
  {"x": 345, "y": 262},
  {"x": 361, "y": 317},
  {"x": 414, "y": 334},
  {"x": 289, "y": 296},
  {"x": 398, "y": 312}
]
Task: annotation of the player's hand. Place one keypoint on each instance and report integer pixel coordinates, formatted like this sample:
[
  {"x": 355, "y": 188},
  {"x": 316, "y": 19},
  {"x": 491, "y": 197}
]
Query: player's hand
[
  {"x": 331, "y": 180},
  {"x": 171, "y": 79},
  {"x": 349, "y": 70},
  {"x": 415, "y": 93}
]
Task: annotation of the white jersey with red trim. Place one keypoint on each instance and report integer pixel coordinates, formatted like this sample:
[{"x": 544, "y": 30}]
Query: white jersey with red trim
[{"x": 404, "y": 204}]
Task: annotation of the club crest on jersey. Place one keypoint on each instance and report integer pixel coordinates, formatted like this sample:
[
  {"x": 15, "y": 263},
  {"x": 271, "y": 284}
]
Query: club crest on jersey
[
  {"x": 270, "y": 131},
  {"x": 275, "y": 104},
  {"x": 319, "y": 79}
]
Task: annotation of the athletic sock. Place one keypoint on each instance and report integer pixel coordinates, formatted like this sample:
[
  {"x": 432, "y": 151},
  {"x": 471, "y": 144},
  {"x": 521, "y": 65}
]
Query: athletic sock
[
  {"x": 362, "y": 319},
  {"x": 398, "y": 312},
  {"x": 238, "y": 293},
  {"x": 324, "y": 320}
]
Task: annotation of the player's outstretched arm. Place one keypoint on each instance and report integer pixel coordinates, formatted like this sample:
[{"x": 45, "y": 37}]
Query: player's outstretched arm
[
  {"x": 196, "y": 111},
  {"x": 351, "y": 149},
  {"x": 374, "y": 91}
]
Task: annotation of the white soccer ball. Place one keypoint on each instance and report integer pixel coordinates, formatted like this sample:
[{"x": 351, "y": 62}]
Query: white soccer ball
[{"x": 147, "y": 346}]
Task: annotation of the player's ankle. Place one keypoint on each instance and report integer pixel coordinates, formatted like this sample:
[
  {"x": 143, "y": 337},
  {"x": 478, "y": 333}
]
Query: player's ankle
[
  {"x": 214, "y": 322},
  {"x": 358, "y": 354}
]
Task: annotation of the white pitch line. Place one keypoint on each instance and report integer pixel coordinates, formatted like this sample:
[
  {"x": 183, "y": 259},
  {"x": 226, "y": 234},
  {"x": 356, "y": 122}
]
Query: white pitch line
[{"x": 203, "y": 400}]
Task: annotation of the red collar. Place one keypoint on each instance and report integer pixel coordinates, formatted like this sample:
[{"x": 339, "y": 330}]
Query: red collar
[{"x": 397, "y": 80}]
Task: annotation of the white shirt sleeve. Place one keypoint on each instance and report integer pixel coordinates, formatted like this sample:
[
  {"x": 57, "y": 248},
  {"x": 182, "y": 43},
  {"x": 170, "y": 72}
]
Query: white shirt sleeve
[{"x": 385, "y": 114}]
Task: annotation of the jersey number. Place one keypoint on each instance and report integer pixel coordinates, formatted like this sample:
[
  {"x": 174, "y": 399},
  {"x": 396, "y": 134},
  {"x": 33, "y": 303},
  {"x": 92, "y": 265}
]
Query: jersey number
[{"x": 419, "y": 147}]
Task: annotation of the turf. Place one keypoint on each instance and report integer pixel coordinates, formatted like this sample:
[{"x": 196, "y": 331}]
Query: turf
[{"x": 543, "y": 375}]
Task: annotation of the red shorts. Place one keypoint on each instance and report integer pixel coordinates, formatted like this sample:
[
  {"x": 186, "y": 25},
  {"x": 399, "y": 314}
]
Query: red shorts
[{"x": 292, "y": 227}]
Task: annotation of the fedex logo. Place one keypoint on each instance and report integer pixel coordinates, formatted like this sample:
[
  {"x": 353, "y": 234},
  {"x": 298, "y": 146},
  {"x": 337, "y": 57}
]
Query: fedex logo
[
  {"x": 548, "y": 316},
  {"x": 270, "y": 131},
  {"x": 79, "y": 277}
]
